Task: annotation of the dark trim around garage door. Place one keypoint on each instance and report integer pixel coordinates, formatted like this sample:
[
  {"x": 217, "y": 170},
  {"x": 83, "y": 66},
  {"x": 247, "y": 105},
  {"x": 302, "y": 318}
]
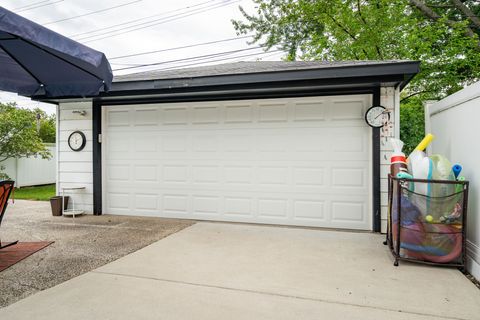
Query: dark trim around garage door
[
  {"x": 97, "y": 147},
  {"x": 377, "y": 219},
  {"x": 97, "y": 156}
]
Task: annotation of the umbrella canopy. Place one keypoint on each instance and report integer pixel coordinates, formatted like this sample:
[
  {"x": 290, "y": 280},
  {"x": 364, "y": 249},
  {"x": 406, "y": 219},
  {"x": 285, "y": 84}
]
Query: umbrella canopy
[{"x": 36, "y": 61}]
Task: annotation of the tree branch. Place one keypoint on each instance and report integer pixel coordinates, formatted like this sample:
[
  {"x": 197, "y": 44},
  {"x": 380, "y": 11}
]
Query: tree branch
[
  {"x": 432, "y": 15},
  {"x": 420, "y": 5},
  {"x": 467, "y": 12},
  {"x": 367, "y": 26},
  {"x": 413, "y": 94},
  {"x": 349, "y": 34}
]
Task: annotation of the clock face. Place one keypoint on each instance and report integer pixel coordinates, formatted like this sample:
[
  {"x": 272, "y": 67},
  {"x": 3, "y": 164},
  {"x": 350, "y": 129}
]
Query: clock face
[
  {"x": 376, "y": 116},
  {"x": 76, "y": 141}
]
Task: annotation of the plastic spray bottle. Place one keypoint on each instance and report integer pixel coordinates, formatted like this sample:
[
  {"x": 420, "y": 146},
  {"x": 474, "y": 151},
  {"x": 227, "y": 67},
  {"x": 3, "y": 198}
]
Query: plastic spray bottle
[{"x": 398, "y": 161}]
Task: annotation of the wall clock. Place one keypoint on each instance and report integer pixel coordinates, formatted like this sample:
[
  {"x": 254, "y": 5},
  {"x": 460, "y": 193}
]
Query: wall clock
[
  {"x": 77, "y": 141},
  {"x": 377, "y": 116}
]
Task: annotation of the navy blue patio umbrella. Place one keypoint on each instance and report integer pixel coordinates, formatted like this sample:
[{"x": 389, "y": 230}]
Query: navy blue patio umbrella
[{"x": 36, "y": 61}]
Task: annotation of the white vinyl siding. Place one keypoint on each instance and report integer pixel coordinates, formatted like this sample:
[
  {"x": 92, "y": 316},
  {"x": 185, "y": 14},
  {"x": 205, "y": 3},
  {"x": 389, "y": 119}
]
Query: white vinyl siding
[
  {"x": 75, "y": 168},
  {"x": 390, "y": 99}
]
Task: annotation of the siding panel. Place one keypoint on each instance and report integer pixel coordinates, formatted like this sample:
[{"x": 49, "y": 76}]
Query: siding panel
[
  {"x": 390, "y": 99},
  {"x": 75, "y": 168}
]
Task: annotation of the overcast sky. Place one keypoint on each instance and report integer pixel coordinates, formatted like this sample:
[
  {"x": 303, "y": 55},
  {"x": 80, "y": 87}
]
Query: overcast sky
[{"x": 137, "y": 26}]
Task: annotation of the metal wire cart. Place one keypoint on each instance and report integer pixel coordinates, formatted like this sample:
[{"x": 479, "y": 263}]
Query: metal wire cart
[{"x": 427, "y": 221}]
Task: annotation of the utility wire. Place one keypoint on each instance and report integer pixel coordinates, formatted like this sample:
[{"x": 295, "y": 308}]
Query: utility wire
[
  {"x": 214, "y": 60},
  {"x": 136, "y": 20},
  {"x": 147, "y": 22},
  {"x": 217, "y": 60},
  {"x": 39, "y": 6},
  {"x": 178, "y": 48},
  {"x": 155, "y": 22},
  {"x": 92, "y": 12},
  {"x": 189, "y": 58},
  {"x": 31, "y": 4},
  {"x": 162, "y": 21},
  {"x": 265, "y": 57}
]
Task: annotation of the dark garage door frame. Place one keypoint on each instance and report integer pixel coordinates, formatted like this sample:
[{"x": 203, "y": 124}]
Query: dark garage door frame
[{"x": 97, "y": 131}]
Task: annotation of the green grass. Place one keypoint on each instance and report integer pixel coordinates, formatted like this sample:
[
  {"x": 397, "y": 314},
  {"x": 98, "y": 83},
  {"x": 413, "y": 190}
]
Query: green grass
[{"x": 41, "y": 193}]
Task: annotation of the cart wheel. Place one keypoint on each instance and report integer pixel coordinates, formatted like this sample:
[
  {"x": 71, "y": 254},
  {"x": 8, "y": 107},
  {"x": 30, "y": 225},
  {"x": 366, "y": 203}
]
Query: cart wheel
[
  {"x": 395, "y": 263},
  {"x": 385, "y": 242}
]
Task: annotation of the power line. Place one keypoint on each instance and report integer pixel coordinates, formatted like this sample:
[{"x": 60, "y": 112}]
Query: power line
[
  {"x": 195, "y": 58},
  {"x": 146, "y": 22},
  {"x": 223, "y": 59},
  {"x": 31, "y": 4},
  {"x": 162, "y": 21},
  {"x": 93, "y": 12},
  {"x": 39, "y": 6},
  {"x": 178, "y": 48},
  {"x": 140, "y": 19},
  {"x": 189, "y": 58},
  {"x": 155, "y": 22},
  {"x": 215, "y": 60},
  {"x": 270, "y": 55}
]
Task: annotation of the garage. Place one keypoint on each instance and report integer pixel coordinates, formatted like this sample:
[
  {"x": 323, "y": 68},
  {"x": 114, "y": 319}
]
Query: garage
[
  {"x": 292, "y": 161},
  {"x": 268, "y": 142}
]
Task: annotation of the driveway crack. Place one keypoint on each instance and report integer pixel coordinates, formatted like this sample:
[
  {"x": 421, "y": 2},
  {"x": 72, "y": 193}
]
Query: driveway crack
[{"x": 275, "y": 294}]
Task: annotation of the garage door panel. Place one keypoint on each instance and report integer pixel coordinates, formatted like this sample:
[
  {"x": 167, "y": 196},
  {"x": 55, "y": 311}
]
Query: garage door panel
[
  {"x": 118, "y": 118},
  {"x": 327, "y": 177},
  {"x": 306, "y": 144},
  {"x": 269, "y": 208},
  {"x": 310, "y": 111},
  {"x": 174, "y": 116},
  {"x": 351, "y": 212},
  {"x": 349, "y": 176},
  {"x": 175, "y": 203},
  {"x": 146, "y": 202},
  {"x": 146, "y": 117},
  {"x": 143, "y": 173},
  {"x": 299, "y": 161}
]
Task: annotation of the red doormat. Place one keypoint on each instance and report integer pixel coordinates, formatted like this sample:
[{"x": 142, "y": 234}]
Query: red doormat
[{"x": 13, "y": 254}]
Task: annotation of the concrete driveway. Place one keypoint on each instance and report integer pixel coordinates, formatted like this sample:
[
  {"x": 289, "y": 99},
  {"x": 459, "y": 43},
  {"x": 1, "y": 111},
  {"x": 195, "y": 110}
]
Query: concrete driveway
[{"x": 233, "y": 271}]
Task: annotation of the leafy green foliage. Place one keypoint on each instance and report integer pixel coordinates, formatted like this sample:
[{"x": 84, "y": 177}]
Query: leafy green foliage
[
  {"x": 47, "y": 130},
  {"x": 412, "y": 130},
  {"x": 3, "y": 175},
  {"x": 443, "y": 35},
  {"x": 18, "y": 134},
  {"x": 374, "y": 30}
]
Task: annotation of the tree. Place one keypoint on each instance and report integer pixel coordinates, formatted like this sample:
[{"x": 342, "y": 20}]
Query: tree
[
  {"x": 412, "y": 128},
  {"x": 47, "y": 131},
  {"x": 442, "y": 34},
  {"x": 18, "y": 134}
]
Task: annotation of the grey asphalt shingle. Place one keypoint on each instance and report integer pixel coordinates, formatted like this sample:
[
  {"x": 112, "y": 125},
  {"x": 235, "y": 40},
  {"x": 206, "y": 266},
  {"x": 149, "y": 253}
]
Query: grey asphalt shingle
[{"x": 245, "y": 67}]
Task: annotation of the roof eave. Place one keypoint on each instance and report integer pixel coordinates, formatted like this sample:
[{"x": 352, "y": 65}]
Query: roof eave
[
  {"x": 409, "y": 69},
  {"x": 396, "y": 74}
]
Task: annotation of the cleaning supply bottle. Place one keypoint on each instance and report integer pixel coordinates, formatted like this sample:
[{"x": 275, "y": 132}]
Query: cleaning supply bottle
[{"x": 398, "y": 161}]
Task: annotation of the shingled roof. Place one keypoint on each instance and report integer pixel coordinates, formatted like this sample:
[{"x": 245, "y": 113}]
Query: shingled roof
[
  {"x": 254, "y": 79},
  {"x": 246, "y": 67}
]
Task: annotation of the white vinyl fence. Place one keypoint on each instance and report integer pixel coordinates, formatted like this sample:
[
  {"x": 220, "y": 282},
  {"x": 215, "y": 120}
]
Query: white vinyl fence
[
  {"x": 455, "y": 123},
  {"x": 32, "y": 171}
]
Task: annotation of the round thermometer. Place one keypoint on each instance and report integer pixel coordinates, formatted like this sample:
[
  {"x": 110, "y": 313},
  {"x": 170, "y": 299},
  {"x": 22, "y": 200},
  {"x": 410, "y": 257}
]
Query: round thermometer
[
  {"x": 77, "y": 141},
  {"x": 376, "y": 116}
]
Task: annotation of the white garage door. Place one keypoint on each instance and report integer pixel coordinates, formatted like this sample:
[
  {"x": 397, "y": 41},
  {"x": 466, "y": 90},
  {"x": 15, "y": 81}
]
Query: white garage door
[{"x": 296, "y": 161}]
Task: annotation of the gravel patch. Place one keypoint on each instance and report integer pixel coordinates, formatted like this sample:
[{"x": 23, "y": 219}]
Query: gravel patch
[{"x": 81, "y": 244}]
